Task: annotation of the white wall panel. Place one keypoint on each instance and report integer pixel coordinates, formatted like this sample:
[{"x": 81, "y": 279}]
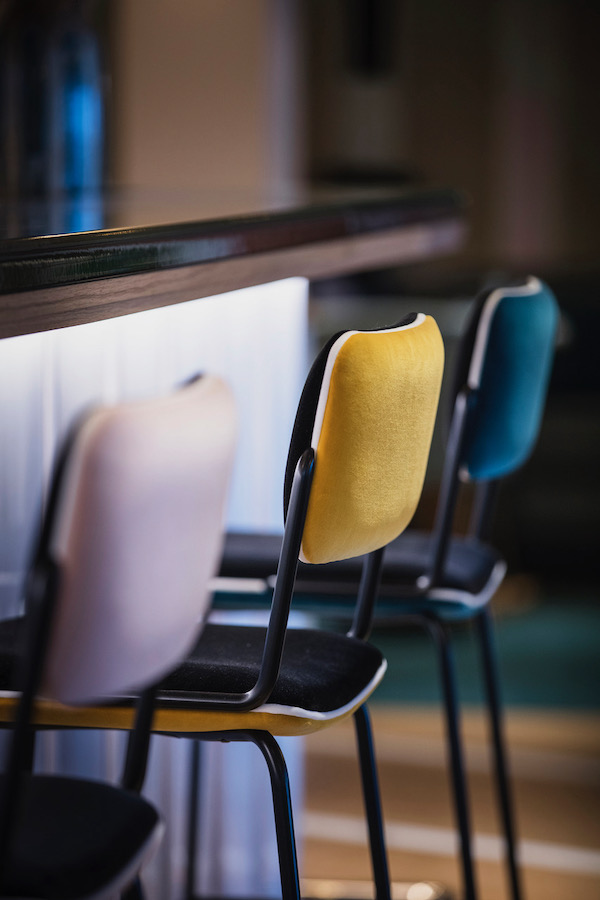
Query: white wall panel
[{"x": 256, "y": 339}]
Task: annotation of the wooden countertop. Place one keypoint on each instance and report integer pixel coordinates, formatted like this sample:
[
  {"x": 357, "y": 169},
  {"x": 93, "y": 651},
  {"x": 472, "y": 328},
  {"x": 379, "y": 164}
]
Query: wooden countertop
[{"x": 159, "y": 248}]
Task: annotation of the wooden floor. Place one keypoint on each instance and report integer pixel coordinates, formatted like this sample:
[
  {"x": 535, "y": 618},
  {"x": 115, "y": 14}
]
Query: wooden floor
[{"x": 556, "y": 766}]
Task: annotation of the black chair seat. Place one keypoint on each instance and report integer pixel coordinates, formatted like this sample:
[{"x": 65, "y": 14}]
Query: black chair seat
[
  {"x": 322, "y": 671},
  {"x": 76, "y": 837},
  {"x": 470, "y": 568}
]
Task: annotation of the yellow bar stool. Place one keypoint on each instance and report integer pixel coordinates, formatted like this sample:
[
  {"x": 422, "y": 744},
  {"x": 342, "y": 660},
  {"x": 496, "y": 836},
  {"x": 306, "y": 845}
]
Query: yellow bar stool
[{"x": 440, "y": 577}]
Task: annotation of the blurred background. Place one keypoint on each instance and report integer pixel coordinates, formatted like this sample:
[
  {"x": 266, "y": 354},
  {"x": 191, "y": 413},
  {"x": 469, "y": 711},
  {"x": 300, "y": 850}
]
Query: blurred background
[{"x": 498, "y": 100}]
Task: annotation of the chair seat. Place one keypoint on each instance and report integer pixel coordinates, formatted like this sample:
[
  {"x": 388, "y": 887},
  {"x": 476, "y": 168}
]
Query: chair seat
[
  {"x": 77, "y": 838},
  {"x": 472, "y": 573},
  {"x": 324, "y": 676}
]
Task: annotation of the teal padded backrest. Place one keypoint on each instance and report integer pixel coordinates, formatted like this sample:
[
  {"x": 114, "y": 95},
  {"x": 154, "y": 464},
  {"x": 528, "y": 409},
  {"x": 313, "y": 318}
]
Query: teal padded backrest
[{"x": 509, "y": 369}]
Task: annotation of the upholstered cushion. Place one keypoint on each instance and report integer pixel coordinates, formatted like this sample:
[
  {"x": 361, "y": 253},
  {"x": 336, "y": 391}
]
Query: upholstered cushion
[
  {"x": 324, "y": 676},
  {"x": 467, "y": 566},
  {"x": 506, "y": 360},
  {"x": 138, "y": 517},
  {"x": 470, "y": 570},
  {"x": 322, "y": 673},
  {"x": 368, "y": 410},
  {"x": 136, "y": 512},
  {"x": 76, "y": 837}
]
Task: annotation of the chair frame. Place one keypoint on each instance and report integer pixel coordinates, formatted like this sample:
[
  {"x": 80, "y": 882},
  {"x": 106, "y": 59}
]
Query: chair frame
[
  {"x": 479, "y": 527},
  {"x": 271, "y": 661},
  {"x": 410, "y": 599},
  {"x": 440, "y": 633},
  {"x": 486, "y": 493}
]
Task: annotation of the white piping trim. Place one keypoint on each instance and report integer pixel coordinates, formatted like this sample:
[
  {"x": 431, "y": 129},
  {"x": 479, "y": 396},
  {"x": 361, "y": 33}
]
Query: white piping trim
[
  {"x": 532, "y": 286},
  {"x": 230, "y": 584},
  {"x": 324, "y": 392},
  {"x": 472, "y": 601},
  {"x": 278, "y": 709}
]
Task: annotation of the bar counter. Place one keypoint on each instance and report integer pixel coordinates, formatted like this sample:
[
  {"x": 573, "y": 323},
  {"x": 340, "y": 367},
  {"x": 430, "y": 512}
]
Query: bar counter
[{"x": 74, "y": 260}]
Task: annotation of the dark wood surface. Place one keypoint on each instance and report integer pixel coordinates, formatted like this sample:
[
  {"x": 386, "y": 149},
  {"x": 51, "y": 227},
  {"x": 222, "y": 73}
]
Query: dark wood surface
[{"x": 163, "y": 248}]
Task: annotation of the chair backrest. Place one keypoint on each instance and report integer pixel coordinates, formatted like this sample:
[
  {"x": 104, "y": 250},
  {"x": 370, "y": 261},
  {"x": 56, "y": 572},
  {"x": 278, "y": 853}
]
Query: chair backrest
[
  {"x": 505, "y": 364},
  {"x": 134, "y": 529},
  {"x": 367, "y": 410}
]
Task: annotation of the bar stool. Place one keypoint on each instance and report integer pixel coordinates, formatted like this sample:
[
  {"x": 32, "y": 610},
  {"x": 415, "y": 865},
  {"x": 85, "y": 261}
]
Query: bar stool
[
  {"x": 355, "y": 471},
  {"x": 116, "y": 594},
  {"x": 436, "y": 578}
]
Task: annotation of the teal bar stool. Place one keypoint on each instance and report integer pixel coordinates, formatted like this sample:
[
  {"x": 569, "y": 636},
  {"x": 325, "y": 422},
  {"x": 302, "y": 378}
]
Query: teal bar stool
[{"x": 436, "y": 578}]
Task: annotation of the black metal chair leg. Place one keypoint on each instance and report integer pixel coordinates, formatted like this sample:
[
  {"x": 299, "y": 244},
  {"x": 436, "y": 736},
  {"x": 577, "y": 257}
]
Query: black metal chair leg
[
  {"x": 282, "y": 807},
  {"x": 192, "y": 835},
  {"x": 134, "y": 891},
  {"x": 28, "y": 756},
  {"x": 459, "y": 784},
  {"x": 372, "y": 801},
  {"x": 485, "y": 634}
]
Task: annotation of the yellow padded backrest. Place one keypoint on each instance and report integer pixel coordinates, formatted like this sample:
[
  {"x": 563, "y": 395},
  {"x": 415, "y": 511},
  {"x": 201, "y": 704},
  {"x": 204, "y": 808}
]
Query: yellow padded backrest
[{"x": 371, "y": 435}]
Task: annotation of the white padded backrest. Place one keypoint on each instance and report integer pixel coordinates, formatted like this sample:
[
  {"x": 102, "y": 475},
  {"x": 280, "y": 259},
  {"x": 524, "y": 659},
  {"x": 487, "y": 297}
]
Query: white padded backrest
[{"x": 137, "y": 535}]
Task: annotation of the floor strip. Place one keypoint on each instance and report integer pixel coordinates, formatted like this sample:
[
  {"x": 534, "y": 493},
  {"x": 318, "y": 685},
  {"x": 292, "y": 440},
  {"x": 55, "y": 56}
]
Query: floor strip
[{"x": 444, "y": 841}]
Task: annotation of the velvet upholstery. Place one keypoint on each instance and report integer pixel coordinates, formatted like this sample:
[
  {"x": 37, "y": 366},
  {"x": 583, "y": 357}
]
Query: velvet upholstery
[
  {"x": 76, "y": 837},
  {"x": 323, "y": 676},
  {"x": 304, "y": 423},
  {"x": 373, "y": 418},
  {"x": 508, "y": 376},
  {"x": 321, "y": 673}
]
